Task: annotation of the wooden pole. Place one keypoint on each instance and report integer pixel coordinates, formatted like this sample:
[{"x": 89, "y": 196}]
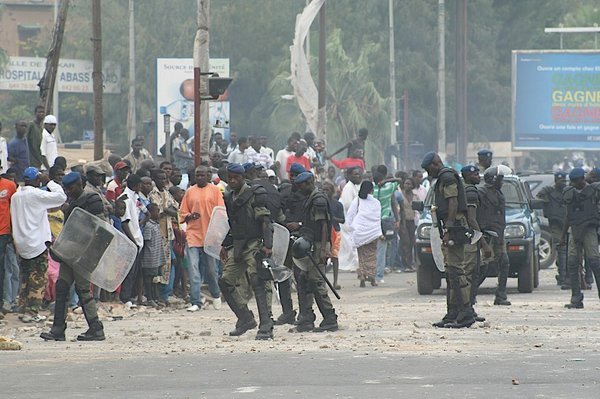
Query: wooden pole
[
  {"x": 48, "y": 80},
  {"x": 131, "y": 126},
  {"x": 97, "y": 79},
  {"x": 461, "y": 81},
  {"x": 322, "y": 115},
  {"x": 441, "y": 94},
  {"x": 392, "y": 71}
]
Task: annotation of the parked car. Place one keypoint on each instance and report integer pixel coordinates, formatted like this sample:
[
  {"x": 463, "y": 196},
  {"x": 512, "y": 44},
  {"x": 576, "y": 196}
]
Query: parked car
[
  {"x": 522, "y": 235},
  {"x": 547, "y": 250}
]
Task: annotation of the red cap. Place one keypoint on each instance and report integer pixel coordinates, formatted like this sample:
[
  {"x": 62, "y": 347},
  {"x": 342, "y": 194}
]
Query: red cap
[{"x": 121, "y": 165}]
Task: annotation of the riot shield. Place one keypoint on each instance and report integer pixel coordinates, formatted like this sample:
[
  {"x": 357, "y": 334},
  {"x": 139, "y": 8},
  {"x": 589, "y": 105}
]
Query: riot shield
[
  {"x": 95, "y": 250},
  {"x": 281, "y": 241},
  {"x": 436, "y": 248},
  {"x": 218, "y": 227}
]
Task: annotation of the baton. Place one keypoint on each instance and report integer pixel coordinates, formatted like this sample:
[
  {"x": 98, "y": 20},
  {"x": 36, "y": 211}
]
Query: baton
[{"x": 331, "y": 287}]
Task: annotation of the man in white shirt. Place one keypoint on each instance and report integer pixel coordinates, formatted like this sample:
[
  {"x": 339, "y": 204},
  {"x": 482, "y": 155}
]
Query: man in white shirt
[
  {"x": 264, "y": 149},
  {"x": 350, "y": 191},
  {"x": 31, "y": 230},
  {"x": 282, "y": 157},
  {"x": 131, "y": 227},
  {"x": 420, "y": 190},
  {"x": 48, "y": 147},
  {"x": 239, "y": 154},
  {"x": 256, "y": 156}
]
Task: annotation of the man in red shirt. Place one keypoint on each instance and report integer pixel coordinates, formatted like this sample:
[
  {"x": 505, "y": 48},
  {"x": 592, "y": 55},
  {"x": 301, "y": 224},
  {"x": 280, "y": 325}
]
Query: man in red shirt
[
  {"x": 7, "y": 189},
  {"x": 355, "y": 160},
  {"x": 115, "y": 187},
  {"x": 298, "y": 157}
]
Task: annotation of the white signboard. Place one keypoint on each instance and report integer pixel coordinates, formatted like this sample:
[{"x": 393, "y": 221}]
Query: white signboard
[
  {"x": 175, "y": 95},
  {"x": 74, "y": 76}
]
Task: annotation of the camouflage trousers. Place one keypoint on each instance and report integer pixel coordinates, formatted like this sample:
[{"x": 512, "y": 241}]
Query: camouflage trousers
[{"x": 33, "y": 280}]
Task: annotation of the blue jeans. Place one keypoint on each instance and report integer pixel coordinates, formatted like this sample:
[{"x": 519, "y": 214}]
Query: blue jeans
[
  {"x": 381, "y": 252},
  {"x": 201, "y": 267},
  {"x": 4, "y": 240},
  {"x": 11, "y": 276},
  {"x": 166, "y": 289}
]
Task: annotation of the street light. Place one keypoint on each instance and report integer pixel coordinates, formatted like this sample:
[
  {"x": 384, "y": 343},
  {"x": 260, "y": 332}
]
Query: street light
[{"x": 167, "y": 130}]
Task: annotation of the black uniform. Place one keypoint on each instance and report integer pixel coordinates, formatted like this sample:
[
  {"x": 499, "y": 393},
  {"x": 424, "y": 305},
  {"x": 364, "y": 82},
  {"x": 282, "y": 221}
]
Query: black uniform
[{"x": 555, "y": 211}]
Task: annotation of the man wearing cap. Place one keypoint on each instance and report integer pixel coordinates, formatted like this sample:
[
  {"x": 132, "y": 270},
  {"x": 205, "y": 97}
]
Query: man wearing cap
[
  {"x": 31, "y": 230},
  {"x": 582, "y": 201},
  {"x": 250, "y": 232},
  {"x": 48, "y": 146},
  {"x": 91, "y": 202},
  {"x": 484, "y": 159},
  {"x": 34, "y": 137},
  {"x": 451, "y": 208},
  {"x": 473, "y": 265},
  {"x": 316, "y": 229},
  {"x": 95, "y": 178},
  {"x": 555, "y": 211},
  {"x": 115, "y": 187}
]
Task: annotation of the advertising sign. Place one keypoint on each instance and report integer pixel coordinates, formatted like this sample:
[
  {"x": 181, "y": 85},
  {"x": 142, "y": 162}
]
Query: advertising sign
[
  {"x": 175, "y": 95},
  {"x": 556, "y": 100},
  {"x": 74, "y": 76}
]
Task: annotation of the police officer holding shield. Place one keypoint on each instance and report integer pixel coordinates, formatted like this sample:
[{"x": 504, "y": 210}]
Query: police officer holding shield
[
  {"x": 91, "y": 202},
  {"x": 583, "y": 202},
  {"x": 451, "y": 208},
  {"x": 555, "y": 211},
  {"x": 250, "y": 232},
  {"x": 310, "y": 251},
  {"x": 491, "y": 217}
]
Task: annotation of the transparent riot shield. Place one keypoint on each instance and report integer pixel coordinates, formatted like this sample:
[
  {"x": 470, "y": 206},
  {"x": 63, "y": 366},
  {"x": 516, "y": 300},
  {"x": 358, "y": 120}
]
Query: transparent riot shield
[
  {"x": 95, "y": 250},
  {"x": 436, "y": 248},
  {"x": 218, "y": 227},
  {"x": 281, "y": 241}
]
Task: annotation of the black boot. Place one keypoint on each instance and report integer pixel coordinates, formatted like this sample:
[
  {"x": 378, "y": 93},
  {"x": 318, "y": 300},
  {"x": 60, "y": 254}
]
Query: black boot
[
  {"x": 329, "y": 322},
  {"x": 286, "y": 318},
  {"x": 55, "y": 334},
  {"x": 265, "y": 329},
  {"x": 463, "y": 319},
  {"x": 245, "y": 318},
  {"x": 243, "y": 325},
  {"x": 285, "y": 296},
  {"x": 306, "y": 318},
  {"x": 94, "y": 333},
  {"x": 450, "y": 317}
]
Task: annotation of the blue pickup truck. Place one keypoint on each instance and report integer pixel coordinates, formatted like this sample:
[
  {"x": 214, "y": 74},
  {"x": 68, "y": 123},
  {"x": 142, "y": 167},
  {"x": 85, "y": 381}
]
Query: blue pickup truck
[{"x": 522, "y": 234}]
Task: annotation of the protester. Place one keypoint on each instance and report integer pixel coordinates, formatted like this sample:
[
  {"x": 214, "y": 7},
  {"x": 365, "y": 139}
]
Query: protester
[
  {"x": 298, "y": 157},
  {"x": 18, "y": 149},
  {"x": 355, "y": 160},
  {"x": 238, "y": 155},
  {"x": 282, "y": 157},
  {"x": 137, "y": 155},
  {"x": 48, "y": 145},
  {"x": 34, "y": 137}
]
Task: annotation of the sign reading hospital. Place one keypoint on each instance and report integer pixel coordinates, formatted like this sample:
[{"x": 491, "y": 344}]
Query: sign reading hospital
[
  {"x": 556, "y": 100},
  {"x": 74, "y": 76}
]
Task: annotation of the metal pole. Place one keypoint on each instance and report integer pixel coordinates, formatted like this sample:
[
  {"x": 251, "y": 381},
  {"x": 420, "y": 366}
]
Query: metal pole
[
  {"x": 197, "y": 120},
  {"x": 322, "y": 121},
  {"x": 392, "y": 71},
  {"x": 441, "y": 120},
  {"x": 131, "y": 116},
  {"x": 405, "y": 128},
  {"x": 461, "y": 80},
  {"x": 97, "y": 79}
]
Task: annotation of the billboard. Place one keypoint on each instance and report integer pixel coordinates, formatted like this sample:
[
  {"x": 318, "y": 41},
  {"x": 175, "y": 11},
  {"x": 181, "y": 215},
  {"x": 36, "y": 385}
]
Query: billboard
[
  {"x": 556, "y": 99},
  {"x": 175, "y": 95},
  {"x": 74, "y": 76}
]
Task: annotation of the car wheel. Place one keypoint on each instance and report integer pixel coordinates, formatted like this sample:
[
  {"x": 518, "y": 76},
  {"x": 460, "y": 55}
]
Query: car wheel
[
  {"x": 526, "y": 275},
  {"x": 547, "y": 252},
  {"x": 536, "y": 270},
  {"x": 425, "y": 274}
]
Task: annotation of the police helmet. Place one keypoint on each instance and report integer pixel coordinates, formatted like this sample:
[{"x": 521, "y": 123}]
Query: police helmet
[
  {"x": 301, "y": 253},
  {"x": 495, "y": 173}
]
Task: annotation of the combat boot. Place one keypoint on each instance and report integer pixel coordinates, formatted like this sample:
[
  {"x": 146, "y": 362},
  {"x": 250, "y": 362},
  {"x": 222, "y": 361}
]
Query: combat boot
[
  {"x": 329, "y": 323},
  {"x": 305, "y": 322},
  {"x": 94, "y": 333},
  {"x": 286, "y": 318},
  {"x": 463, "y": 319},
  {"x": 243, "y": 325},
  {"x": 55, "y": 334}
]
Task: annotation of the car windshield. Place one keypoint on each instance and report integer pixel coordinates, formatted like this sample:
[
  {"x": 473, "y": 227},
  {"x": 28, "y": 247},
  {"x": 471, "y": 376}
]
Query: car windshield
[{"x": 510, "y": 189}]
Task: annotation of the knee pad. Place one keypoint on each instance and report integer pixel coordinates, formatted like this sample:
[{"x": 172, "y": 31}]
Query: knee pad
[{"x": 62, "y": 288}]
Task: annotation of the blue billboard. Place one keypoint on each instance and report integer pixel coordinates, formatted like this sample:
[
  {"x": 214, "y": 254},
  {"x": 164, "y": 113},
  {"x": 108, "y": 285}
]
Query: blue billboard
[{"x": 556, "y": 100}]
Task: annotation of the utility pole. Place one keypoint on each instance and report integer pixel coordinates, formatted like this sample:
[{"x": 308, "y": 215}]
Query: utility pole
[
  {"x": 48, "y": 81},
  {"x": 97, "y": 78},
  {"x": 131, "y": 127},
  {"x": 322, "y": 114},
  {"x": 406, "y": 132},
  {"x": 461, "y": 80},
  {"x": 201, "y": 63},
  {"x": 441, "y": 94},
  {"x": 393, "y": 111}
]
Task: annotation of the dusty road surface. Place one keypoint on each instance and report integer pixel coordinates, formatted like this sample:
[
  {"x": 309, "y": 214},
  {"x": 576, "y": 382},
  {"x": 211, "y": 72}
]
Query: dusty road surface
[{"x": 386, "y": 348}]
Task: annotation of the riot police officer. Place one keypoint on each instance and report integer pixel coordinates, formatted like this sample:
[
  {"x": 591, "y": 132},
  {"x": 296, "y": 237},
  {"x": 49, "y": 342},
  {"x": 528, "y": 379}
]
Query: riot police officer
[
  {"x": 451, "y": 209},
  {"x": 582, "y": 201},
  {"x": 250, "y": 232},
  {"x": 310, "y": 251},
  {"x": 475, "y": 273},
  {"x": 491, "y": 217},
  {"x": 484, "y": 159},
  {"x": 555, "y": 211}
]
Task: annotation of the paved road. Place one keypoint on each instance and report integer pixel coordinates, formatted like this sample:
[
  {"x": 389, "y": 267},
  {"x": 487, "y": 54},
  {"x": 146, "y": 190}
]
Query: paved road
[{"x": 386, "y": 349}]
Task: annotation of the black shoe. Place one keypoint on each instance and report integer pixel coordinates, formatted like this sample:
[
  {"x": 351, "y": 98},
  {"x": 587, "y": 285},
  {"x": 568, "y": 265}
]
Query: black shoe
[
  {"x": 577, "y": 305},
  {"x": 479, "y": 319},
  {"x": 92, "y": 335},
  {"x": 328, "y": 324},
  {"x": 442, "y": 323},
  {"x": 462, "y": 323},
  {"x": 241, "y": 328},
  {"x": 264, "y": 335},
  {"x": 502, "y": 302},
  {"x": 50, "y": 336},
  {"x": 565, "y": 287},
  {"x": 303, "y": 327},
  {"x": 286, "y": 318}
]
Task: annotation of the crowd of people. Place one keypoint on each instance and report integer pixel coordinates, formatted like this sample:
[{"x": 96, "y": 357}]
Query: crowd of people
[{"x": 164, "y": 208}]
